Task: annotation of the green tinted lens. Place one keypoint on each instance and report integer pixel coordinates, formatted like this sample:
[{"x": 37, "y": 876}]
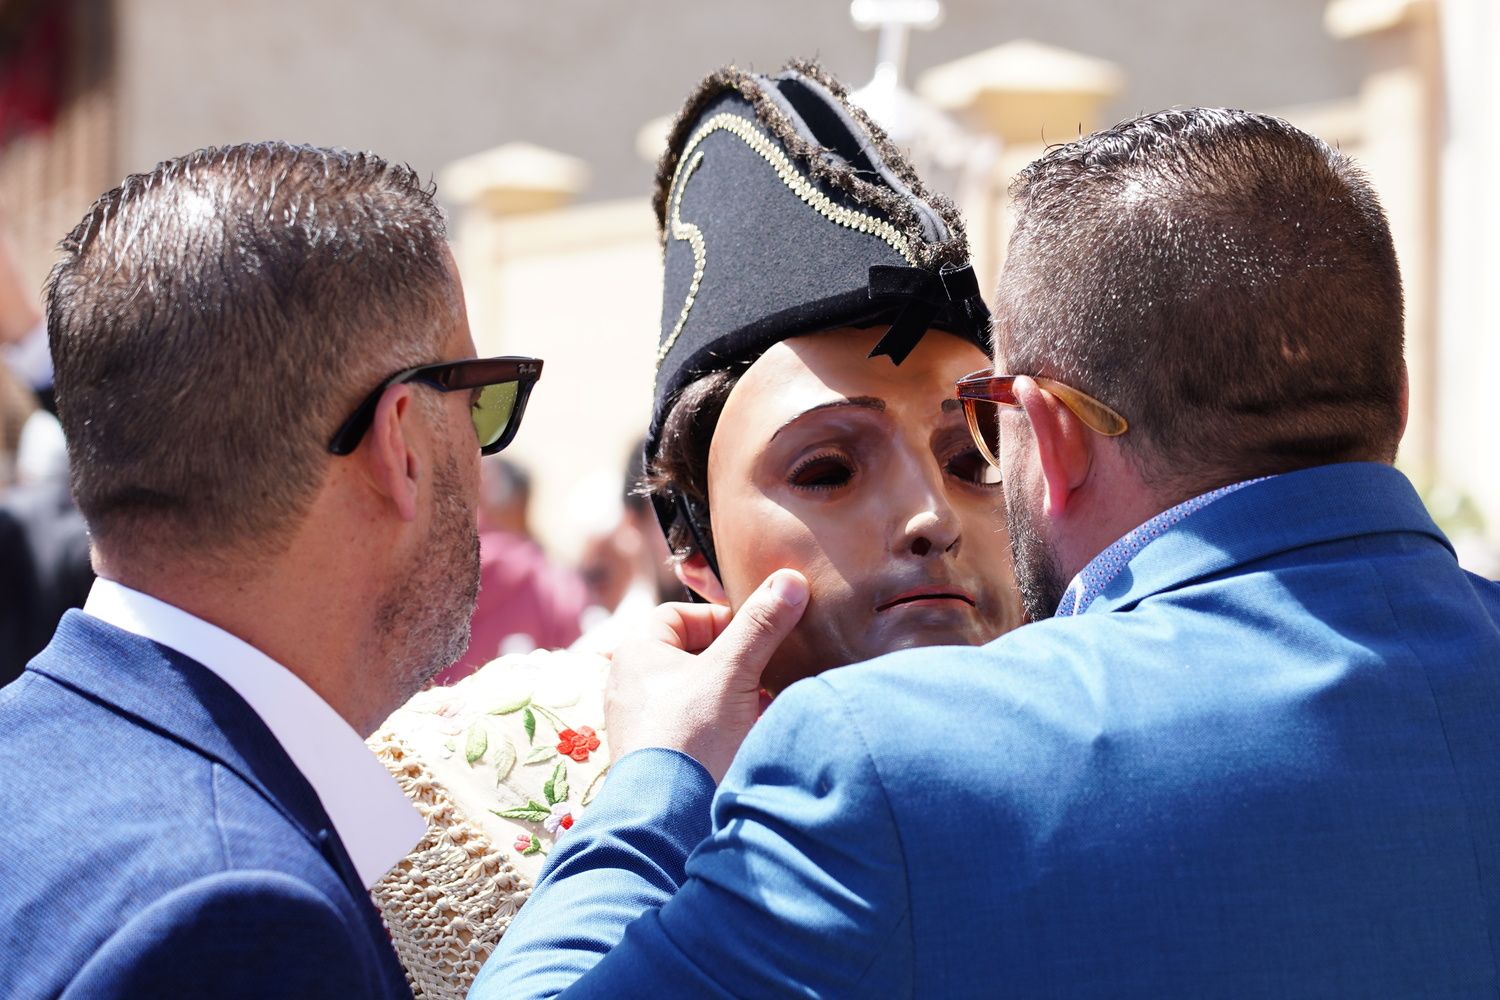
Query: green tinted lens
[{"x": 492, "y": 411}]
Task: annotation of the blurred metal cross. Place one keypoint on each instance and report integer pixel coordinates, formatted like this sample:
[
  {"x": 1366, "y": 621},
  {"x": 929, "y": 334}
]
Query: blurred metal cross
[{"x": 895, "y": 19}]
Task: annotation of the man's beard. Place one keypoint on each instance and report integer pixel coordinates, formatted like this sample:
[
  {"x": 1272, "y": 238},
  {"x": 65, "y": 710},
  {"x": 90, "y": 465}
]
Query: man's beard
[
  {"x": 1037, "y": 575},
  {"x": 424, "y": 616}
]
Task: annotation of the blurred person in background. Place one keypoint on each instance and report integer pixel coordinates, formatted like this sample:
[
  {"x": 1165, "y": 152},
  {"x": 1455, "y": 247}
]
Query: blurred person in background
[
  {"x": 16, "y": 578},
  {"x": 274, "y": 419},
  {"x": 801, "y": 419},
  {"x": 23, "y": 329},
  {"x": 526, "y": 601},
  {"x": 17, "y": 404},
  {"x": 44, "y": 548},
  {"x": 628, "y": 569},
  {"x": 44, "y": 543}
]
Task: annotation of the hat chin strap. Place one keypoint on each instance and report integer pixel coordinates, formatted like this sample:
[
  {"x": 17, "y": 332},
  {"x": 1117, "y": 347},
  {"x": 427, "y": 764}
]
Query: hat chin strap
[
  {"x": 695, "y": 516},
  {"x": 925, "y": 294}
]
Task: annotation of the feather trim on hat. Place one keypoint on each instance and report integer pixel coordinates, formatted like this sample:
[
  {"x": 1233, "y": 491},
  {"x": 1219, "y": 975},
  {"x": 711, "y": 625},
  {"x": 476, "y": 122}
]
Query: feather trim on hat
[{"x": 838, "y": 175}]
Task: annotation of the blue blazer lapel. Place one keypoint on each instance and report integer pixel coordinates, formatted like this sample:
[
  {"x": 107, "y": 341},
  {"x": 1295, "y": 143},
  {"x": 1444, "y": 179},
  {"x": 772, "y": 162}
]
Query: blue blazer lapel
[
  {"x": 186, "y": 702},
  {"x": 1290, "y": 511}
]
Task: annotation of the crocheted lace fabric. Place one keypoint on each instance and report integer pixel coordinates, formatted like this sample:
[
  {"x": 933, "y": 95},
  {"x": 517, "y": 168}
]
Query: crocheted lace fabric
[
  {"x": 500, "y": 764},
  {"x": 449, "y": 901}
]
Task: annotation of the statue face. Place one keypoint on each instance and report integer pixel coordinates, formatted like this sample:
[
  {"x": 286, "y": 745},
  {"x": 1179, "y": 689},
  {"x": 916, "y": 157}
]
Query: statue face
[{"x": 863, "y": 476}]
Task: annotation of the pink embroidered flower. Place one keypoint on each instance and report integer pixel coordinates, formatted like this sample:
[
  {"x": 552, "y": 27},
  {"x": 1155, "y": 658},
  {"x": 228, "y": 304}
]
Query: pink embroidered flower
[
  {"x": 523, "y": 843},
  {"x": 560, "y": 818},
  {"x": 578, "y": 743}
]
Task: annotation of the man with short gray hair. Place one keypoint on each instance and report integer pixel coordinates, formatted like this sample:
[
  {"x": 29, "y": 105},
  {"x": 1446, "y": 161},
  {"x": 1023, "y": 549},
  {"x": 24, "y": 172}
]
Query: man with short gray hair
[{"x": 274, "y": 417}]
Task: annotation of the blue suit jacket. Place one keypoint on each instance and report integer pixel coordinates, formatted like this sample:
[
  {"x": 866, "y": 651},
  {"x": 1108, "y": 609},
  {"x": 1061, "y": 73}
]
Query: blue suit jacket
[
  {"x": 1265, "y": 763},
  {"x": 156, "y": 841}
]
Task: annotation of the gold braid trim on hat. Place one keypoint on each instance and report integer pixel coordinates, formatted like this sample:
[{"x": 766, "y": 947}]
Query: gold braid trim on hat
[
  {"x": 694, "y": 236},
  {"x": 788, "y": 174}
]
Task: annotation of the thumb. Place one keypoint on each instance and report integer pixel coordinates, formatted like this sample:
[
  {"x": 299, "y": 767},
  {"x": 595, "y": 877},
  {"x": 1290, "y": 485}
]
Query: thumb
[{"x": 761, "y": 625}]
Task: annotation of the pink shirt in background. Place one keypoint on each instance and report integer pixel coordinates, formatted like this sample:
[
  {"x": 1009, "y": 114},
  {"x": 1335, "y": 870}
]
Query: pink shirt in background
[{"x": 525, "y": 602}]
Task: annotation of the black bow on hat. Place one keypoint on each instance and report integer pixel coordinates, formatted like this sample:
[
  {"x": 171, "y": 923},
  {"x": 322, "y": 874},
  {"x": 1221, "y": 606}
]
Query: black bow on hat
[{"x": 923, "y": 295}]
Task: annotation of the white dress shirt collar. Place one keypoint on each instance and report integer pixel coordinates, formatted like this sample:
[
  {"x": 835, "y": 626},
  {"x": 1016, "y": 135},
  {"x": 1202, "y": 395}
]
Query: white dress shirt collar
[{"x": 376, "y": 822}]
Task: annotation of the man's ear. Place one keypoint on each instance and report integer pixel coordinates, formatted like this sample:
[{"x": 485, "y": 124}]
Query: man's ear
[
  {"x": 1405, "y": 401},
  {"x": 393, "y": 465},
  {"x": 694, "y": 574},
  {"x": 1061, "y": 443}
]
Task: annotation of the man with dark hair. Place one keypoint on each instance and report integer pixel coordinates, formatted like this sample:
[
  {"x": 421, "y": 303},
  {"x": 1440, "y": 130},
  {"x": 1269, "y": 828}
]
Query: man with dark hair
[
  {"x": 1237, "y": 294},
  {"x": 266, "y": 380},
  {"x": 1248, "y": 750}
]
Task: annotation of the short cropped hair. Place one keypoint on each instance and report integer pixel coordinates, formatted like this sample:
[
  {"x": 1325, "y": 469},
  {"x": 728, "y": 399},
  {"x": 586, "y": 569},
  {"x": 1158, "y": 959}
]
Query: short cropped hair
[
  {"x": 1224, "y": 280},
  {"x": 213, "y": 321}
]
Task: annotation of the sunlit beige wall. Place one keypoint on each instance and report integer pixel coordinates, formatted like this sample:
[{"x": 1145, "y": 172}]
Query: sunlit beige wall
[
  {"x": 1468, "y": 299},
  {"x": 580, "y": 288}
]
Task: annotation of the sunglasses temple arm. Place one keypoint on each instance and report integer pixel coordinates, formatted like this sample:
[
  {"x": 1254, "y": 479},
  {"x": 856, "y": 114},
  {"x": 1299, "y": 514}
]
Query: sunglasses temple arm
[{"x": 348, "y": 437}]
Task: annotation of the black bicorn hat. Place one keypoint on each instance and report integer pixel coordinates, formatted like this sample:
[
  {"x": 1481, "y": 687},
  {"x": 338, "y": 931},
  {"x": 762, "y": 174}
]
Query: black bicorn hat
[{"x": 783, "y": 210}]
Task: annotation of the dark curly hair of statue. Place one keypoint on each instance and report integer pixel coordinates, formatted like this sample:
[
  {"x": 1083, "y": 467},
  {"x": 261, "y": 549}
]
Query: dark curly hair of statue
[{"x": 681, "y": 464}]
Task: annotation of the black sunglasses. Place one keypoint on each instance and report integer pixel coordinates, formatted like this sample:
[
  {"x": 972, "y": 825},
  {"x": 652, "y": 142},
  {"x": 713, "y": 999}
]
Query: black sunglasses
[{"x": 504, "y": 384}]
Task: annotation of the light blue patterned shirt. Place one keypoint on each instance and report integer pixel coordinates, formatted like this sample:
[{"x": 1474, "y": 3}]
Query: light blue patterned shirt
[{"x": 1093, "y": 578}]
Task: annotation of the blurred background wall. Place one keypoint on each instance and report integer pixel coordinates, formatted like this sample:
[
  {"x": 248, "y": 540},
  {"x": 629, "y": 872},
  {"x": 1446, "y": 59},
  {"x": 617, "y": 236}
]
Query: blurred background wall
[{"x": 541, "y": 123}]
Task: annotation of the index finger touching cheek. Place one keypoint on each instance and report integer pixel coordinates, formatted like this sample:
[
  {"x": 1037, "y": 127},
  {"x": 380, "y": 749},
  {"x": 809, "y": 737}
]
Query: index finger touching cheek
[{"x": 689, "y": 627}]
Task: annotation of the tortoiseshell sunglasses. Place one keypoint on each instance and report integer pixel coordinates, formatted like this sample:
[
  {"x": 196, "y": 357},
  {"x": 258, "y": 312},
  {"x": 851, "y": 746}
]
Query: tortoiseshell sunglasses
[
  {"x": 983, "y": 391},
  {"x": 503, "y": 384}
]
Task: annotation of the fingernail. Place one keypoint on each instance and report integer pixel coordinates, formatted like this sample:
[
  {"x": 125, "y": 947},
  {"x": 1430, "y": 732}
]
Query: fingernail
[{"x": 790, "y": 587}]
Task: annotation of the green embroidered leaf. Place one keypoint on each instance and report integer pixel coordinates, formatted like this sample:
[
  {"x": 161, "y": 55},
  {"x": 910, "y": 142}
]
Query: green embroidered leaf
[
  {"x": 551, "y": 717},
  {"x": 541, "y": 755},
  {"x": 528, "y": 719},
  {"x": 533, "y": 812},
  {"x": 477, "y": 743},
  {"x": 593, "y": 789},
  {"x": 505, "y": 759},
  {"x": 556, "y": 787},
  {"x": 511, "y": 707},
  {"x": 535, "y": 847},
  {"x": 450, "y": 746}
]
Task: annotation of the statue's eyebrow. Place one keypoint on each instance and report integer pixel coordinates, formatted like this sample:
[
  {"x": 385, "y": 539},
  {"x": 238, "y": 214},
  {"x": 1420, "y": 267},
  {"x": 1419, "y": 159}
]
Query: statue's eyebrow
[{"x": 867, "y": 402}]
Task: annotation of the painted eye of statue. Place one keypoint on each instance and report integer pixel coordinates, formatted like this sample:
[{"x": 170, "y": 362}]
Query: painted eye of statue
[
  {"x": 970, "y": 466},
  {"x": 822, "y": 472}
]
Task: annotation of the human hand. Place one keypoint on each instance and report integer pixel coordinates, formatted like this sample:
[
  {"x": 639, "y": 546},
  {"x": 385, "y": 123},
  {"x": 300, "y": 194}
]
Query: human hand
[{"x": 694, "y": 684}]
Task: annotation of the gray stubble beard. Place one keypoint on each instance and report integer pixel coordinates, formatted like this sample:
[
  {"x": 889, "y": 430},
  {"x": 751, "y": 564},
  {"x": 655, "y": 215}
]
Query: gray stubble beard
[
  {"x": 1037, "y": 575},
  {"x": 424, "y": 616}
]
